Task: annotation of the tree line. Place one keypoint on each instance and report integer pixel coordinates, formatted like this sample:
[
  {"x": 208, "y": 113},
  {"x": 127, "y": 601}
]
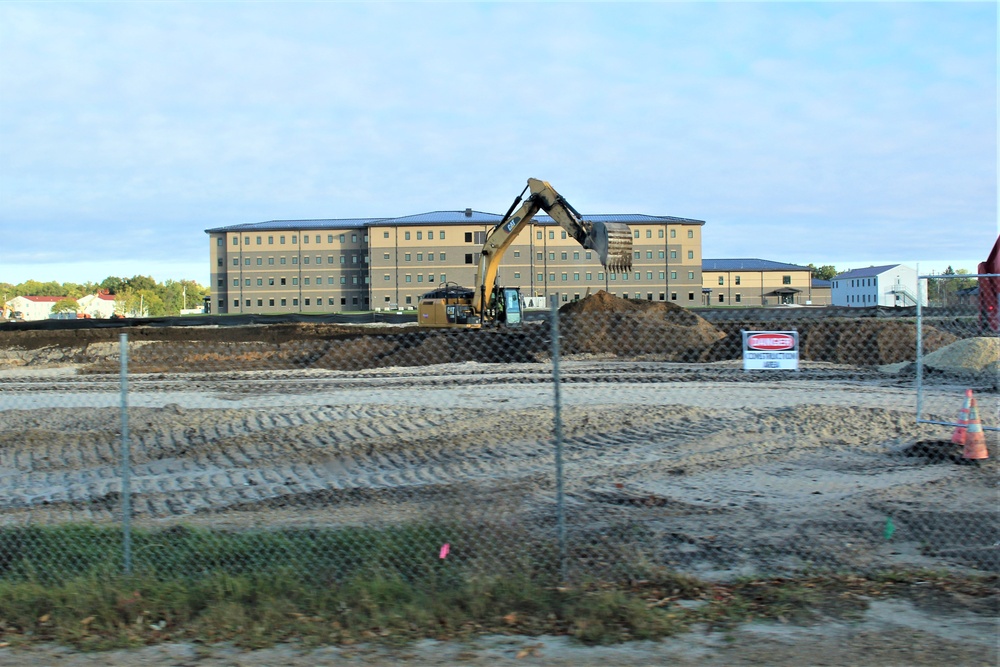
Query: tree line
[{"x": 135, "y": 295}]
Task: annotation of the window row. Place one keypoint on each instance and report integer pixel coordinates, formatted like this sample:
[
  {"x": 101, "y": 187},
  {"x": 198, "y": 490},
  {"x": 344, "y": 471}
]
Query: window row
[
  {"x": 330, "y": 259},
  {"x": 342, "y": 238},
  {"x": 318, "y": 280},
  {"x": 307, "y": 301}
]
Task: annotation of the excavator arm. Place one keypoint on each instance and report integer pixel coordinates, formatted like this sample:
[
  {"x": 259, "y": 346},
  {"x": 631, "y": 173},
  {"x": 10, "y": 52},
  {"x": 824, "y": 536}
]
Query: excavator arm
[{"x": 611, "y": 241}]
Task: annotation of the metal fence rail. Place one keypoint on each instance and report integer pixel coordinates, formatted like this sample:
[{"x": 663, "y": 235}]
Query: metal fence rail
[{"x": 617, "y": 440}]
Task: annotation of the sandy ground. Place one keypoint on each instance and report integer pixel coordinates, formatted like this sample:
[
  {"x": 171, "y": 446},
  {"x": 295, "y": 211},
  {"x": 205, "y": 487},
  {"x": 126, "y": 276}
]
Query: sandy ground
[{"x": 728, "y": 473}]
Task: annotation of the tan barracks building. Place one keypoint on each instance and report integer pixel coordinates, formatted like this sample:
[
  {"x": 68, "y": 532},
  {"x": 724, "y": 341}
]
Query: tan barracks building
[{"x": 327, "y": 266}]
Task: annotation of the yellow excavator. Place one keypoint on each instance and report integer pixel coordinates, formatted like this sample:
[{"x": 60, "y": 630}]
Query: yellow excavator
[{"x": 452, "y": 306}]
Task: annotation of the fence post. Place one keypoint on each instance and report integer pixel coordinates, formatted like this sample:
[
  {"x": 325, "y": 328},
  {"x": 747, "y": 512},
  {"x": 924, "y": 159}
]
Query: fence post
[
  {"x": 920, "y": 349},
  {"x": 557, "y": 417},
  {"x": 126, "y": 460}
]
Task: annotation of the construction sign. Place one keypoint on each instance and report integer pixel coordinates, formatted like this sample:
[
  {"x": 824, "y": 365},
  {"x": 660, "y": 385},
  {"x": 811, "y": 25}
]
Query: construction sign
[{"x": 768, "y": 350}]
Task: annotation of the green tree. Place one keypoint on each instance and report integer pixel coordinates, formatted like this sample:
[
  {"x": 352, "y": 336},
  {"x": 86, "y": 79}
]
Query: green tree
[
  {"x": 67, "y": 305},
  {"x": 141, "y": 283},
  {"x": 825, "y": 272},
  {"x": 113, "y": 284}
]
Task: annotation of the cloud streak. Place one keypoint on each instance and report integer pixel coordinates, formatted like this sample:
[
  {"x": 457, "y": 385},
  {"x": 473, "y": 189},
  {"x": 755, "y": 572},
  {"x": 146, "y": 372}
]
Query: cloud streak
[{"x": 795, "y": 130}]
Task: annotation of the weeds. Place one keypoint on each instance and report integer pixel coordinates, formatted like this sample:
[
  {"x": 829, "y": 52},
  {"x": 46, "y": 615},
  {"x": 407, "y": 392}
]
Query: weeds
[{"x": 251, "y": 589}]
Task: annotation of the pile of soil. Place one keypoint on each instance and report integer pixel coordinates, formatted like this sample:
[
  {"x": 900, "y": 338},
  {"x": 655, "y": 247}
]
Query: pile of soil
[
  {"x": 603, "y": 324},
  {"x": 599, "y": 324}
]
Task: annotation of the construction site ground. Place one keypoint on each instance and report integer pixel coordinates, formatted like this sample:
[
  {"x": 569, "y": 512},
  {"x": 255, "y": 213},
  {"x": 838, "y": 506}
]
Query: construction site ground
[{"x": 329, "y": 425}]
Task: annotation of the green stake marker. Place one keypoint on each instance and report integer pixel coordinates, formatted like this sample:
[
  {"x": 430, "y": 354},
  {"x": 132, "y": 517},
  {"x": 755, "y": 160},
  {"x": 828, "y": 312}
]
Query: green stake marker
[{"x": 890, "y": 528}]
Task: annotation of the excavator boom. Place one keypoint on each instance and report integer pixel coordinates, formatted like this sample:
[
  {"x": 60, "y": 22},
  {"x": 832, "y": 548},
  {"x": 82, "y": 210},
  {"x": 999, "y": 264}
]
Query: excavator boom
[{"x": 612, "y": 241}]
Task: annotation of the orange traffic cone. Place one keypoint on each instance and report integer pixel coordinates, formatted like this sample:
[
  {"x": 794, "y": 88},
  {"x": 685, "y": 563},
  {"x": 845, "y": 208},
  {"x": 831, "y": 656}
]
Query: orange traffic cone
[
  {"x": 958, "y": 435},
  {"x": 975, "y": 439}
]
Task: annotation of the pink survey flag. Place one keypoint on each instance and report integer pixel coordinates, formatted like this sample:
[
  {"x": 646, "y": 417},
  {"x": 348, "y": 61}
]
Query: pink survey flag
[{"x": 445, "y": 548}]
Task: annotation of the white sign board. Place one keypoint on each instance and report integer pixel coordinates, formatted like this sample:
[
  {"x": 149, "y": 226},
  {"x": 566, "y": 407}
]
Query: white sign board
[{"x": 768, "y": 350}]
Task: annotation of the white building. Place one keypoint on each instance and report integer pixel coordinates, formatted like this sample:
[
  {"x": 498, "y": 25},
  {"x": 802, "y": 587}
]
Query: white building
[
  {"x": 30, "y": 308},
  {"x": 99, "y": 306},
  {"x": 889, "y": 286}
]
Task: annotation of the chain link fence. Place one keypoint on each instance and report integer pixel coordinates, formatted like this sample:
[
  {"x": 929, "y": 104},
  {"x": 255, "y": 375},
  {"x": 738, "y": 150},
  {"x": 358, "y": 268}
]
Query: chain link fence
[{"x": 611, "y": 441}]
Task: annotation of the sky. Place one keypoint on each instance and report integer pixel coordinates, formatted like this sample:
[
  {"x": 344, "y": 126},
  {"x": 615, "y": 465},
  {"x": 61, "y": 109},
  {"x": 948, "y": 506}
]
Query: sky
[{"x": 846, "y": 134}]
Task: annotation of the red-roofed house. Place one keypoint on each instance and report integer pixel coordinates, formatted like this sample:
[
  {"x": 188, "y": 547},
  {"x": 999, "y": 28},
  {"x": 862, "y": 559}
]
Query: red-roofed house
[
  {"x": 99, "y": 306},
  {"x": 32, "y": 307}
]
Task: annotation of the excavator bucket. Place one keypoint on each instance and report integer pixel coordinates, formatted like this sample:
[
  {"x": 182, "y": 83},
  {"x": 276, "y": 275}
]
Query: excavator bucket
[{"x": 613, "y": 243}]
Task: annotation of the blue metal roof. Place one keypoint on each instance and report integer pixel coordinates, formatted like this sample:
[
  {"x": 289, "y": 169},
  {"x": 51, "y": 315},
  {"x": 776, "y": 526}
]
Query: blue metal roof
[
  {"x": 437, "y": 218},
  {"x": 869, "y": 272},
  {"x": 817, "y": 282},
  {"x": 293, "y": 225},
  {"x": 748, "y": 265}
]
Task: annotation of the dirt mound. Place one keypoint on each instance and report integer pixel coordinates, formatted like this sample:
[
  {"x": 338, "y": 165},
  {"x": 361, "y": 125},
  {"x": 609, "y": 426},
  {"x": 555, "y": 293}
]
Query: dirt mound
[
  {"x": 605, "y": 324},
  {"x": 976, "y": 355}
]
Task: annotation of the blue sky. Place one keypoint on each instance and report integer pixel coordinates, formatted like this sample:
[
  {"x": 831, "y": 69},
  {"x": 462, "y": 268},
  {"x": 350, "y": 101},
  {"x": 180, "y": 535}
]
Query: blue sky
[{"x": 842, "y": 133}]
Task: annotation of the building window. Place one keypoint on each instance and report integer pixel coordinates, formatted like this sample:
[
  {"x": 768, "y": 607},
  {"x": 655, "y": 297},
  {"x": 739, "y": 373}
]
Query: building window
[
  {"x": 354, "y": 238},
  {"x": 409, "y": 278},
  {"x": 270, "y": 241},
  {"x": 649, "y": 235},
  {"x": 786, "y": 280},
  {"x": 468, "y": 258},
  {"x": 270, "y": 261},
  {"x": 576, "y": 276},
  {"x": 420, "y": 256},
  {"x": 662, "y": 277},
  {"x": 284, "y": 302},
  {"x": 589, "y": 276},
  {"x": 673, "y": 254},
  {"x": 690, "y": 275},
  {"x": 247, "y": 282},
  {"x": 406, "y": 257},
  {"x": 294, "y": 241},
  {"x": 305, "y": 282},
  {"x": 722, "y": 280},
  {"x": 282, "y": 281},
  {"x": 281, "y": 260},
  {"x": 636, "y": 235},
  {"x": 329, "y": 301},
  {"x": 737, "y": 298},
  {"x": 564, "y": 256},
  {"x": 673, "y": 275},
  {"x": 552, "y": 256},
  {"x": 270, "y": 302},
  {"x": 260, "y": 282},
  {"x": 420, "y": 236},
  {"x": 673, "y": 295},
  {"x": 420, "y": 277},
  {"x": 236, "y": 261},
  {"x": 722, "y": 298},
  {"x": 236, "y": 241},
  {"x": 236, "y": 282},
  {"x": 552, "y": 235},
  {"x": 385, "y": 235},
  {"x": 565, "y": 277},
  {"x": 541, "y": 276},
  {"x": 690, "y": 254},
  {"x": 342, "y": 238},
  {"x": 295, "y": 302},
  {"x": 387, "y": 277},
  {"x": 329, "y": 238},
  {"x": 673, "y": 233},
  {"x": 306, "y": 300},
  {"x": 236, "y": 303},
  {"x": 281, "y": 240},
  {"x": 690, "y": 296},
  {"x": 305, "y": 238},
  {"x": 736, "y": 280},
  {"x": 690, "y": 233},
  {"x": 295, "y": 281},
  {"x": 406, "y": 235},
  {"x": 305, "y": 260}
]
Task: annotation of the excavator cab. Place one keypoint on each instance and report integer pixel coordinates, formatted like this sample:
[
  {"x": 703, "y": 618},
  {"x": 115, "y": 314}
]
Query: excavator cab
[{"x": 506, "y": 305}]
